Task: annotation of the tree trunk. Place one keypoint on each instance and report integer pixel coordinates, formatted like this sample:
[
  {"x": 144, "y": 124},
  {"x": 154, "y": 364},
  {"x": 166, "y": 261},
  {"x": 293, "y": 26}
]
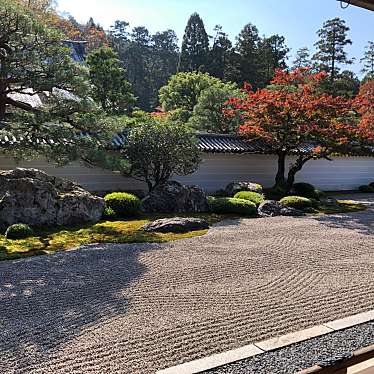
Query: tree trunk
[
  {"x": 296, "y": 167},
  {"x": 280, "y": 179},
  {"x": 2, "y": 108},
  {"x": 3, "y": 100}
]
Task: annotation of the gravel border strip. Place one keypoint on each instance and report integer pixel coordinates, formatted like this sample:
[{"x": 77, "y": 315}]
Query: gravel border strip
[{"x": 269, "y": 345}]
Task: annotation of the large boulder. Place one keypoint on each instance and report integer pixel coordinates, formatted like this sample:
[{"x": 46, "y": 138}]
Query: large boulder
[
  {"x": 234, "y": 187},
  {"x": 174, "y": 197},
  {"x": 176, "y": 224},
  {"x": 33, "y": 197},
  {"x": 271, "y": 208}
]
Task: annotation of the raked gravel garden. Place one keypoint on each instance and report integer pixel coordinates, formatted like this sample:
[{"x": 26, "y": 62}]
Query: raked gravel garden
[{"x": 136, "y": 308}]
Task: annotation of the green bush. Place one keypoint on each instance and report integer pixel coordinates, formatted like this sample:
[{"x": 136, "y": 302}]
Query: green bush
[
  {"x": 297, "y": 202},
  {"x": 19, "y": 231},
  {"x": 366, "y": 188},
  {"x": 255, "y": 197},
  {"x": 275, "y": 193},
  {"x": 222, "y": 205},
  {"x": 109, "y": 213},
  {"x": 122, "y": 204},
  {"x": 304, "y": 190}
]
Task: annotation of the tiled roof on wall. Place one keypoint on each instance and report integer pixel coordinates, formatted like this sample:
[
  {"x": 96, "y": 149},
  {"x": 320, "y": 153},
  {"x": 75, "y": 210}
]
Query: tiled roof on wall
[{"x": 208, "y": 143}]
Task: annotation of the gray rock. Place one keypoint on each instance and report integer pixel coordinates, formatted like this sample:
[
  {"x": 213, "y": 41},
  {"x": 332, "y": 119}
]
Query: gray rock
[
  {"x": 176, "y": 224},
  {"x": 174, "y": 197},
  {"x": 33, "y": 197},
  {"x": 234, "y": 187},
  {"x": 271, "y": 208}
]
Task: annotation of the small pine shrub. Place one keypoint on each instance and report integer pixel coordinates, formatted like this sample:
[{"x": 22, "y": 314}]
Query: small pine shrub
[
  {"x": 366, "y": 189},
  {"x": 109, "y": 213},
  {"x": 122, "y": 204},
  {"x": 19, "y": 231},
  {"x": 231, "y": 205},
  {"x": 304, "y": 190},
  {"x": 255, "y": 197},
  {"x": 297, "y": 202}
]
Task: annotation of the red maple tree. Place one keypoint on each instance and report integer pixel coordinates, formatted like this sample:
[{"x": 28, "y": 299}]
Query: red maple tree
[
  {"x": 364, "y": 106},
  {"x": 294, "y": 118}
]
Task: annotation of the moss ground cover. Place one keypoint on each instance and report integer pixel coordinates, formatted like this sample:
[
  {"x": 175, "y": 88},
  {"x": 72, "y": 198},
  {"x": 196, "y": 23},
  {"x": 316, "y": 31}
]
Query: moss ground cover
[{"x": 47, "y": 241}]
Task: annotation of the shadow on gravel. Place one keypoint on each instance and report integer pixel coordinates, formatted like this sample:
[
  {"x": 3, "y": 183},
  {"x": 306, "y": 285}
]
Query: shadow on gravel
[
  {"x": 362, "y": 222},
  {"x": 45, "y": 301}
]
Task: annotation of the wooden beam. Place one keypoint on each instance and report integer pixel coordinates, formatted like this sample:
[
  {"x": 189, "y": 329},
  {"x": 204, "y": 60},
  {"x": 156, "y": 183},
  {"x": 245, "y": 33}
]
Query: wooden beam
[{"x": 367, "y": 4}]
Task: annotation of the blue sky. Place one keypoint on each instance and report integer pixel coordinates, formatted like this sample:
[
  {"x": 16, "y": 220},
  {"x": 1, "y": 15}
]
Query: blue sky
[{"x": 298, "y": 20}]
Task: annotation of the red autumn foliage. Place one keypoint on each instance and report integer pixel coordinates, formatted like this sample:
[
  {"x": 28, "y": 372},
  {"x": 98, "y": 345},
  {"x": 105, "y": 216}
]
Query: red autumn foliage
[
  {"x": 364, "y": 106},
  {"x": 292, "y": 112}
]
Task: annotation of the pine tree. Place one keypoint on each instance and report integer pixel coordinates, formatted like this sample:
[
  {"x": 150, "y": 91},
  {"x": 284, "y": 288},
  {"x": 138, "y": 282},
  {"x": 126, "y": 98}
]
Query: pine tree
[
  {"x": 219, "y": 54},
  {"x": 195, "y": 46},
  {"x": 110, "y": 86},
  {"x": 331, "y": 46},
  {"x": 368, "y": 60},
  {"x": 302, "y": 59},
  {"x": 272, "y": 52},
  {"x": 44, "y": 94},
  {"x": 164, "y": 64},
  {"x": 247, "y": 49},
  {"x": 137, "y": 58}
]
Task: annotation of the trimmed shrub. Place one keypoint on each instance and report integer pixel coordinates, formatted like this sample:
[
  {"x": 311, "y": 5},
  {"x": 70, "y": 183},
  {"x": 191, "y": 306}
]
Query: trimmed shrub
[
  {"x": 304, "y": 190},
  {"x": 255, "y": 197},
  {"x": 366, "y": 189},
  {"x": 297, "y": 202},
  {"x": 122, "y": 204},
  {"x": 275, "y": 193},
  {"x": 232, "y": 205},
  {"x": 19, "y": 231},
  {"x": 109, "y": 213}
]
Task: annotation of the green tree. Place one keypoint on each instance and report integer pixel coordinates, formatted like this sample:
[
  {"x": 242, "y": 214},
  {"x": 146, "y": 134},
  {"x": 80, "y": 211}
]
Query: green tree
[
  {"x": 164, "y": 61},
  {"x": 195, "y": 46},
  {"x": 346, "y": 84},
  {"x": 183, "y": 91},
  {"x": 149, "y": 59},
  {"x": 110, "y": 86},
  {"x": 157, "y": 149},
  {"x": 302, "y": 59},
  {"x": 368, "y": 60},
  {"x": 272, "y": 52},
  {"x": 247, "y": 49},
  {"x": 219, "y": 54},
  {"x": 331, "y": 47},
  {"x": 44, "y": 94},
  {"x": 208, "y": 114}
]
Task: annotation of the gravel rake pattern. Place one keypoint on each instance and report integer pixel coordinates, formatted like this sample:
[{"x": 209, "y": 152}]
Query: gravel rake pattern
[{"x": 142, "y": 307}]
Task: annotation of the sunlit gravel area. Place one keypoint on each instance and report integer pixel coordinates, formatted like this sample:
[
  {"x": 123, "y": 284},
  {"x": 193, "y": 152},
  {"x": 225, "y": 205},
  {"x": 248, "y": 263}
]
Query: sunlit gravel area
[{"x": 138, "y": 308}]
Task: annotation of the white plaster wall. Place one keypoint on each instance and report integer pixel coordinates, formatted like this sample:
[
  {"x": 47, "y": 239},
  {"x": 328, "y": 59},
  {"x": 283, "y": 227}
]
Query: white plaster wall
[{"x": 217, "y": 170}]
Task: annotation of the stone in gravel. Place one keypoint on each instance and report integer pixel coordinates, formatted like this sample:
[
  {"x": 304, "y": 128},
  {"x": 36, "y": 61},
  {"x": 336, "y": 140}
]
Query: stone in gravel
[
  {"x": 271, "y": 208},
  {"x": 33, "y": 197},
  {"x": 177, "y": 224},
  {"x": 234, "y": 187},
  {"x": 174, "y": 197}
]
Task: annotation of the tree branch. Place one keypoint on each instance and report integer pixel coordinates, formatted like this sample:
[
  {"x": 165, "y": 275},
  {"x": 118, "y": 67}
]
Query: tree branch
[{"x": 20, "y": 105}]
